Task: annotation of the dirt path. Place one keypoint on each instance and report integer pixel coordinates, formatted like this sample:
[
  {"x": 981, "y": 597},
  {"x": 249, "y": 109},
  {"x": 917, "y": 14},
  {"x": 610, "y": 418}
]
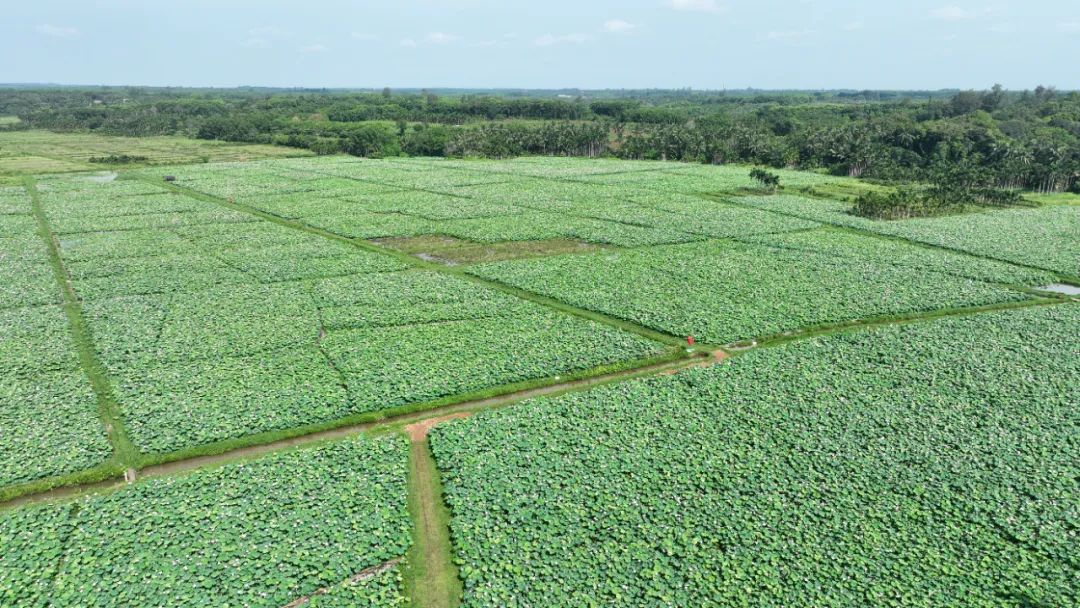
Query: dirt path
[
  {"x": 715, "y": 357},
  {"x": 418, "y": 431},
  {"x": 431, "y": 579}
]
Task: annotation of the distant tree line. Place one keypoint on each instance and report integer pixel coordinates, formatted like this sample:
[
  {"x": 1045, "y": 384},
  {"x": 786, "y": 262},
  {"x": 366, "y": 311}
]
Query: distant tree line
[{"x": 998, "y": 139}]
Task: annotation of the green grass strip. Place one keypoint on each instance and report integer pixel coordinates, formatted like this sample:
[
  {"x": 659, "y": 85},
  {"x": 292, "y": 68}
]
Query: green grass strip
[
  {"x": 869, "y": 323},
  {"x": 431, "y": 578}
]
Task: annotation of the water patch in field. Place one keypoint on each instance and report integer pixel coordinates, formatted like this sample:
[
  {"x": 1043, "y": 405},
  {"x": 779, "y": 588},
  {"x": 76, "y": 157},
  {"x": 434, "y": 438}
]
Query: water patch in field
[
  {"x": 427, "y": 257},
  {"x": 1062, "y": 288},
  {"x": 102, "y": 178}
]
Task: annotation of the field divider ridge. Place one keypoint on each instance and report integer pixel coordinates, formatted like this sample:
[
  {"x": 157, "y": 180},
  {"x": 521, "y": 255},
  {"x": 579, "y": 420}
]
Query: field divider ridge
[
  {"x": 736, "y": 348},
  {"x": 124, "y": 451},
  {"x": 431, "y": 577}
]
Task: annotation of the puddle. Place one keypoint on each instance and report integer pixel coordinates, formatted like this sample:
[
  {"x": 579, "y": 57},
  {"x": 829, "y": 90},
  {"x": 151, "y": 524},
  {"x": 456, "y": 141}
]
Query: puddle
[
  {"x": 1069, "y": 290},
  {"x": 102, "y": 178},
  {"x": 427, "y": 257}
]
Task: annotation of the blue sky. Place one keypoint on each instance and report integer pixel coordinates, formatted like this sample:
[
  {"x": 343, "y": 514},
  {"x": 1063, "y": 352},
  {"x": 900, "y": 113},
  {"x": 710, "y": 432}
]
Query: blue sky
[{"x": 711, "y": 44}]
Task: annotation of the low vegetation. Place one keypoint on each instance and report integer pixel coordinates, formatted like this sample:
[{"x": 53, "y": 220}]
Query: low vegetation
[
  {"x": 30, "y": 152},
  {"x": 768, "y": 180},
  {"x": 827, "y": 472},
  {"x": 951, "y": 194},
  {"x": 722, "y": 292},
  {"x": 186, "y": 333},
  {"x": 118, "y": 159},
  {"x": 1043, "y": 238},
  {"x": 261, "y": 533}
]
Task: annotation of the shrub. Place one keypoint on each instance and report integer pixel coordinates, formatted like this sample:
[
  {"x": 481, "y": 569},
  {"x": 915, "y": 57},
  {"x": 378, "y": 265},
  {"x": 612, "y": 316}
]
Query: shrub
[{"x": 768, "y": 180}]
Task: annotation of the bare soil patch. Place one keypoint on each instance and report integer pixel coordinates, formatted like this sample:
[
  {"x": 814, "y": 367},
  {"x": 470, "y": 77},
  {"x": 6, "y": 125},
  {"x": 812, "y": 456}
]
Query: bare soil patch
[
  {"x": 716, "y": 357},
  {"x": 418, "y": 431}
]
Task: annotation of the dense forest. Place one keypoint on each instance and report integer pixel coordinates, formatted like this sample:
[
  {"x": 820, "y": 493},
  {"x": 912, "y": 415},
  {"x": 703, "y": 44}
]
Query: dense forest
[{"x": 984, "y": 140}]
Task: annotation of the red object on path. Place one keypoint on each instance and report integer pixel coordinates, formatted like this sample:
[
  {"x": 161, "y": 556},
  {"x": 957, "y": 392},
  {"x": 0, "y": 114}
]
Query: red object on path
[{"x": 690, "y": 340}]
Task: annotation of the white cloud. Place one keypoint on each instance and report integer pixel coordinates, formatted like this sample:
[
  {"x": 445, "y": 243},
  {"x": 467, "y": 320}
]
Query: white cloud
[
  {"x": 787, "y": 35},
  {"x": 261, "y": 37},
  {"x": 953, "y": 13},
  {"x": 702, "y": 6},
  {"x": 958, "y": 13},
  {"x": 551, "y": 39},
  {"x": 854, "y": 26},
  {"x": 432, "y": 39},
  {"x": 318, "y": 47},
  {"x": 618, "y": 26},
  {"x": 1071, "y": 27},
  {"x": 441, "y": 38},
  {"x": 57, "y": 31}
]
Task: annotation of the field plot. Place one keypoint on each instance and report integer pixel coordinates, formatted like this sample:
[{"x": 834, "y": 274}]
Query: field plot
[
  {"x": 26, "y": 277},
  {"x": 49, "y": 420},
  {"x": 380, "y": 590},
  {"x": 654, "y": 177},
  {"x": 1044, "y": 238},
  {"x": 13, "y": 165},
  {"x": 225, "y": 363},
  {"x": 484, "y": 202},
  {"x": 722, "y": 292},
  {"x": 35, "y": 152},
  {"x": 216, "y": 325},
  {"x": 853, "y": 248},
  {"x": 239, "y": 535},
  {"x": 48, "y": 414},
  {"x": 915, "y": 465}
]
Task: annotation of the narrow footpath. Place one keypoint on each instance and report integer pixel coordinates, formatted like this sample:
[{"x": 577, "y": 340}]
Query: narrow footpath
[{"x": 431, "y": 578}]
